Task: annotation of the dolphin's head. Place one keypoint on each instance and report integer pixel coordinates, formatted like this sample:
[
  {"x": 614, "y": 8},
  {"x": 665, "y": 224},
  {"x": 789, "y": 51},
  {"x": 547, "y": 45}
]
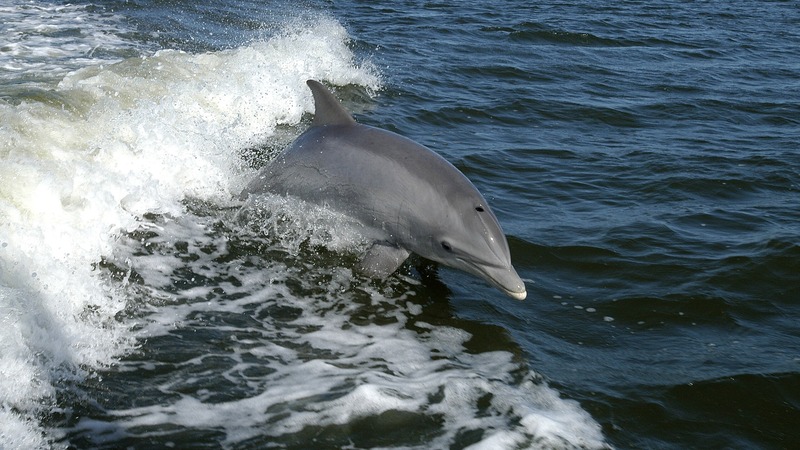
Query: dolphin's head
[{"x": 470, "y": 239}]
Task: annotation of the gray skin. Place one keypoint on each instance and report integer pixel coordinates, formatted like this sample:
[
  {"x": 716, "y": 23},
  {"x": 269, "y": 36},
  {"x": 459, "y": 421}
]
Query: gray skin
[{"x": 408, "y": 198}]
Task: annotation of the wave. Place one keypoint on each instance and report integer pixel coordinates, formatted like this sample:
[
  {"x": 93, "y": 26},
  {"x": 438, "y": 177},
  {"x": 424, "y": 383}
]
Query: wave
[{"x": 108, "y": 144}]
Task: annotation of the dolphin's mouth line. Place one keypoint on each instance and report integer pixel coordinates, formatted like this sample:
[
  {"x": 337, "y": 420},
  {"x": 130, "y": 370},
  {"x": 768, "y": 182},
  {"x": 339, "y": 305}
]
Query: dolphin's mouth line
[
  {"x": 519, "y": 295},
  {"x": 516, "y": 295}
]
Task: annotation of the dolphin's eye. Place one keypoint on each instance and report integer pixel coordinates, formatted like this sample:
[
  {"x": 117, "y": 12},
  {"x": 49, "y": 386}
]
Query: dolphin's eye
[
  {"x": 446, "y": 246},
  {"x": 479, "y": 208}
]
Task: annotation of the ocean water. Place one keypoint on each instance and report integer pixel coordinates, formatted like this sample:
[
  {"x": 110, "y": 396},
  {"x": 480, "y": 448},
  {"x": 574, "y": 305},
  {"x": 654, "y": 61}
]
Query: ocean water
[{"x": 643, "y": 159}]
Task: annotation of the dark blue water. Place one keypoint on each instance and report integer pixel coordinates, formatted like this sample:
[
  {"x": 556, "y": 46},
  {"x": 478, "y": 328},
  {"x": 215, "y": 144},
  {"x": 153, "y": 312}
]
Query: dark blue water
[{"x": 643, "y": 159}]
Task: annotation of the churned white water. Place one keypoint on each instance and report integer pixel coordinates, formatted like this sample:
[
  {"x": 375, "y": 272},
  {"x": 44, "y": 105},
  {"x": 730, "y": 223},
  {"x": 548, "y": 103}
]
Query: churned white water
[
  {"x": 43, "y": 41},
  {"x": 103, "y": 145},
  {"x": 292, "y": 348},
  {"x": 109, "y": 143}
]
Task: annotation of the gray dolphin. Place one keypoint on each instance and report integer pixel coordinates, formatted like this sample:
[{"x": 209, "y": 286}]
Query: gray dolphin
[{"x": 409, "y": 198}]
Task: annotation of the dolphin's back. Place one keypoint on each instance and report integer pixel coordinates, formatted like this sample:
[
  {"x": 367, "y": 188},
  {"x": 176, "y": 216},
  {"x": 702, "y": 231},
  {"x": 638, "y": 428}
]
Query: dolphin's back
[
  {"x": 364, "y": 172},
  {"x": 356, "y": 168}
]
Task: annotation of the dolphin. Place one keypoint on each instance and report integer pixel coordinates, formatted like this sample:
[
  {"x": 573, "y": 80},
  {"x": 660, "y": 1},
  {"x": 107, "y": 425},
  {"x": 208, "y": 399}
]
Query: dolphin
[{"x": 408, "y": 198}]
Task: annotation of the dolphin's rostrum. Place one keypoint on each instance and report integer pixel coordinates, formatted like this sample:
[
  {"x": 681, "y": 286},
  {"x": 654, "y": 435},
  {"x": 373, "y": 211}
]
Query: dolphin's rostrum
[{"x": 408, "y": 197}]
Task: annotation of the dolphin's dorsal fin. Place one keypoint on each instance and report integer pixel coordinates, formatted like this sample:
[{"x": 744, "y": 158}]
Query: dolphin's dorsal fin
[{"x": 327, "y": 109}]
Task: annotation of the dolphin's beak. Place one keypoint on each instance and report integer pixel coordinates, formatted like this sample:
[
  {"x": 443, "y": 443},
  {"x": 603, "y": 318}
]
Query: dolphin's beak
[
  {"x": 518, "y": 295},
  {"x": 515, "y": 288},
  {"x": 506, "y": 279},
  {"x": 503, "y": 278}
]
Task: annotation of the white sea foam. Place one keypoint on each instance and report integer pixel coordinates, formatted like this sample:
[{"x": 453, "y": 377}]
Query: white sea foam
[
  {"x": 347, "y": 351},
  {"x": 45, "y": 41},
  {"x": 121, "y": 141}
]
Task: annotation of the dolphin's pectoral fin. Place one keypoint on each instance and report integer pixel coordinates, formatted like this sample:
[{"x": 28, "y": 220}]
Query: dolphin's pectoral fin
[{"x": 381, "y": 260}]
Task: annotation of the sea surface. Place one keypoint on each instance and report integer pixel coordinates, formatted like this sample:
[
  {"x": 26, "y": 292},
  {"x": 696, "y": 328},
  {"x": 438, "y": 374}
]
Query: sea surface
[{"x": 643, "y": 159}]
